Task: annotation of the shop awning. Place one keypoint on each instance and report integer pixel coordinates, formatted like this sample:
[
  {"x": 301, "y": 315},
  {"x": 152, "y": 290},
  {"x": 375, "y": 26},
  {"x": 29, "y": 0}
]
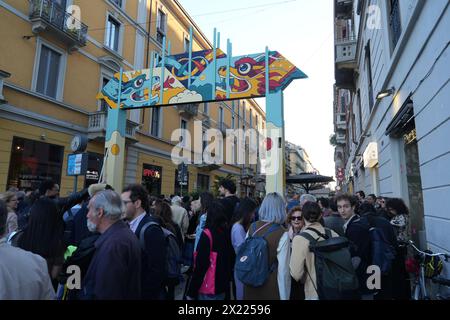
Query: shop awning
[{"x": 309, "y": 181}]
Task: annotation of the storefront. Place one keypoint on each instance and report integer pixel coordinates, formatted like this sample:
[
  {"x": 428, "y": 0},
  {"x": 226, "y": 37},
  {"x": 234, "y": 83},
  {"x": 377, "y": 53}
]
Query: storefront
[
  {"x": 95, "y": 163},
  {"x": 151, "y": 179},
  {"x": 33, "y": 162}
]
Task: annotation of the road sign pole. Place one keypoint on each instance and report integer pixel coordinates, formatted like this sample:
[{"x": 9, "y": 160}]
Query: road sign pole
[{"x": 75, "y": 184}]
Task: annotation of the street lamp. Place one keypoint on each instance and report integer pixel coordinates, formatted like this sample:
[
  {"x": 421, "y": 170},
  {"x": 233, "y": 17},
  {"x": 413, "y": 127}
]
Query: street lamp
[{"x": 384, "y": 93}]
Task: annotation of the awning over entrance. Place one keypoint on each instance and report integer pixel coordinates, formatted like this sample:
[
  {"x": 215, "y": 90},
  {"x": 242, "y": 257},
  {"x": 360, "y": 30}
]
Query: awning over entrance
[
  {"x": 401, "y": 120},
  {"x": 309, "y": 181}
]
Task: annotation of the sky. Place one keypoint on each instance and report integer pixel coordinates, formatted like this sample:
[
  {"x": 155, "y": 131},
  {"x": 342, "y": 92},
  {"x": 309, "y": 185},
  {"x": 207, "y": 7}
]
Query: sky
[{"x": 302, "y": 31}]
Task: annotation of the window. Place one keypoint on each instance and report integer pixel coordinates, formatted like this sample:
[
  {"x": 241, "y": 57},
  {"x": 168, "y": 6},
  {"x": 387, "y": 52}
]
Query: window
[
  {"x": 202, "y": 182},
  {"x": 183, "y": 127},
  {"x": 33, "y": 162},
  {"x": 369, "y": 76},
  {"x": 49, "y": 72},
  {"x": 186, "y": 44},
  {"x": 257, "y": 122},
  {"x": 112, "y": 34},
  {"x": 220, "y": 115},
  {"x": 103, "y": 105},
  {"x": 358, "y": 95},
  {"x": 119, "y": 3},
  {"x": 161, "y": 23},
  {"x": 243, "y": 112},
  {"x": 205, "y": 108},
  {"x": 151, "y": 179},
  {"x": 232, "y": 121},
  {"x": 395, "y": 25},
  {"x": 342, "y": 109},
  {"x": 204, "y": 141},
  {"x": 156, "y": 113},
  {"x": 251, "y": 120}
]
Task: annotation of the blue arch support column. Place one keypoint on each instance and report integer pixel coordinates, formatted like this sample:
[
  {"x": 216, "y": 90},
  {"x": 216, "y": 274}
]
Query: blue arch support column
[
  {"x": 275, "y": 162},
  {"x": 115, "y": 144}
]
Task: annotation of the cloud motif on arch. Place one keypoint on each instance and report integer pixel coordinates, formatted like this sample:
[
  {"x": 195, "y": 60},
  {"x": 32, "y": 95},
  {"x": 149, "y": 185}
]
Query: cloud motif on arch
[{"x": 186, "y": 96}]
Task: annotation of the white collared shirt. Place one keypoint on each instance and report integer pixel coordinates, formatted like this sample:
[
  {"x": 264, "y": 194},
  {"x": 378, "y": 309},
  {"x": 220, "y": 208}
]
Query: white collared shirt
[{"x": 135, "y": 222}]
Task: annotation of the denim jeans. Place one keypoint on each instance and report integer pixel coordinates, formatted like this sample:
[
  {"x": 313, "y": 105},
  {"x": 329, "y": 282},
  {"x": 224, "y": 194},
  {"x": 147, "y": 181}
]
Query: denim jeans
[{"x": 220, "y": 296}]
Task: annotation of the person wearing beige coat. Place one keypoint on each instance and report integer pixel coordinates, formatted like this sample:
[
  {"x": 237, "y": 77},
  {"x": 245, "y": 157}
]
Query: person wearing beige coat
[{"x": 302, "y": 264}]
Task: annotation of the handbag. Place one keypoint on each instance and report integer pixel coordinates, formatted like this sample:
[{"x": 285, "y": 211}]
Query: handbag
[{"x": 209, "y": 282}]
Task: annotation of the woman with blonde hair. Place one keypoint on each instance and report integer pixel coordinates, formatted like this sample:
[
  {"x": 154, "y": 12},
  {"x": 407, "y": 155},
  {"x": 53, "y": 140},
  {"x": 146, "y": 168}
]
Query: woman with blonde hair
[
  {"x": 10, "y": 198},
  {"x": 272, "y": 215}
]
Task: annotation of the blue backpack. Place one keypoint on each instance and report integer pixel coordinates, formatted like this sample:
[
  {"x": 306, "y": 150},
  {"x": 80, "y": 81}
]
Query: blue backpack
[{"x": 252, "y": 259}]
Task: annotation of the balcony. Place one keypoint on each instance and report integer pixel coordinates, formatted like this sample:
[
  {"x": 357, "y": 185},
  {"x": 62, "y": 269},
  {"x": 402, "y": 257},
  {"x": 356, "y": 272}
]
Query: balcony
[
  {"x": 97, "y": 127},
  {"x": 346, "y": 52},
  {"x": 223, "y": 128},
  {"x": 48, "y": 15},
  {"x": 343, "y": 8},
  {"x": 3, "y": 75},
  {"x": 189, "y": 110},
  {"x": 207, "y": 166},
  {"x": 340, "y": 138},
  {"x": 247, "y": 173}
]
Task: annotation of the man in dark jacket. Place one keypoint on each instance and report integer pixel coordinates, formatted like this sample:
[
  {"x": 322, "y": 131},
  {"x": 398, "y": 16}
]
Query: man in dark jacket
[
  {"x": 227, "y": 189},
  {"x": 357, "y": 230},
  {"x": 153, "y": 246},
  {"x": 50, "y": 189},
  {"x": 115, "y": 270}
]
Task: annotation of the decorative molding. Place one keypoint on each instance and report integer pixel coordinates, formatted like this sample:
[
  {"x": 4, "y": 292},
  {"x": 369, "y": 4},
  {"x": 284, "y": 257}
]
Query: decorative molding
[
  {"x": 46, "y": 98},
  {"x": 14, "y": 10},
  {"x": 38, "y": 120}
]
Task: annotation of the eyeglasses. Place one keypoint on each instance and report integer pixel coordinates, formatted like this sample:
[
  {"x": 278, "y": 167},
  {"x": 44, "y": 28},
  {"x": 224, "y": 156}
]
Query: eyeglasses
[{"x": 296, "y": 218}]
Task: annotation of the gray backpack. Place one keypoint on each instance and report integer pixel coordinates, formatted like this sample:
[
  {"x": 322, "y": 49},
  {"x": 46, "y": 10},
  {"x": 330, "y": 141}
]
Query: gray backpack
[{"x": 336, "y": 277}]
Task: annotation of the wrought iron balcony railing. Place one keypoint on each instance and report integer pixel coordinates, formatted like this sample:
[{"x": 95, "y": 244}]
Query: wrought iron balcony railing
[{"x": 47, "y": 14}]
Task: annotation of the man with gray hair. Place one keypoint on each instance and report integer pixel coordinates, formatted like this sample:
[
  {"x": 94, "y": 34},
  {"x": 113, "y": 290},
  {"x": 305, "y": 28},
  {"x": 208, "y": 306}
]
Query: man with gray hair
[
  {"x": 179, "y": 215},
  {"x": 115, "y": 270},
  {"x": 307, "y": 197}
]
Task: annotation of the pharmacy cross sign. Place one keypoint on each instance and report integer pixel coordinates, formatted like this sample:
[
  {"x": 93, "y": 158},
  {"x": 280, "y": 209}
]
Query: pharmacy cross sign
[{"x": 195, "y": 77}]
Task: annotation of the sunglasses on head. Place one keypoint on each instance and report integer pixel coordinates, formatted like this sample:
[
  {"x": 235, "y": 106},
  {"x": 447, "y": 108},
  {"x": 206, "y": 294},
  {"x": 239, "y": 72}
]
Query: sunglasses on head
[{"x": 296, "y": 218}]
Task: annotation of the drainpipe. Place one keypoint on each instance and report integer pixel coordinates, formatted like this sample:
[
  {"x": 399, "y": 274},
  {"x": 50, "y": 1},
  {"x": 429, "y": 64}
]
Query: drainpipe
[{"x": 148, "y": 38}]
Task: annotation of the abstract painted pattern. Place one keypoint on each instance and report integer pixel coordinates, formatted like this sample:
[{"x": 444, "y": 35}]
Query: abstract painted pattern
[{"x": 208, "y": 79}]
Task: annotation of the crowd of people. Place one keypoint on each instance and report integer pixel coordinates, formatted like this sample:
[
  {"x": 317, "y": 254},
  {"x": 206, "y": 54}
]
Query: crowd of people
[{"x": 136, "y": 246}]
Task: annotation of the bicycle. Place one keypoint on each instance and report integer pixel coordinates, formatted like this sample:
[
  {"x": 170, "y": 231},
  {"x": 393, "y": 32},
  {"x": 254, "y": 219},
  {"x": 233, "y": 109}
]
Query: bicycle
[{"x": 419, "y": 291}]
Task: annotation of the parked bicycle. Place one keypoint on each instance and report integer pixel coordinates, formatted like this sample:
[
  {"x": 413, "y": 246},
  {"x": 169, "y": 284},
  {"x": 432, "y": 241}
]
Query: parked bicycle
[{"x": 430, "y": 266}]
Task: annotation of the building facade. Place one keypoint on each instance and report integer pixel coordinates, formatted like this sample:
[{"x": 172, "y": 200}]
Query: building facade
[
  {"x": 50, "y": 76},
  {"x": 391, "y": 107},
  {"x": 297, "y": 162}
]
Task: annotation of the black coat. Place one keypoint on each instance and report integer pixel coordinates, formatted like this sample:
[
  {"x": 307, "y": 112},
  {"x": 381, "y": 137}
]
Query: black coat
[
  {"x": 229, "y": 204},
  {"x": 358, "y": 233},
  {"x": 221, "y": 245},
  {"x": 153, "y": 259},
  {"x": 115, "y": 270}
]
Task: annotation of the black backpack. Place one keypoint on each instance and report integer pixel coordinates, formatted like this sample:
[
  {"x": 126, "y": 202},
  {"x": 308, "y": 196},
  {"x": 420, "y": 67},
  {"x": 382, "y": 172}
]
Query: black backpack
[
  {"x": 82, "y": 258},
  {"x": 382, "y": 252},
  {"x": 173, "y": 256},
  {"x": 335, "y": 274}
]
